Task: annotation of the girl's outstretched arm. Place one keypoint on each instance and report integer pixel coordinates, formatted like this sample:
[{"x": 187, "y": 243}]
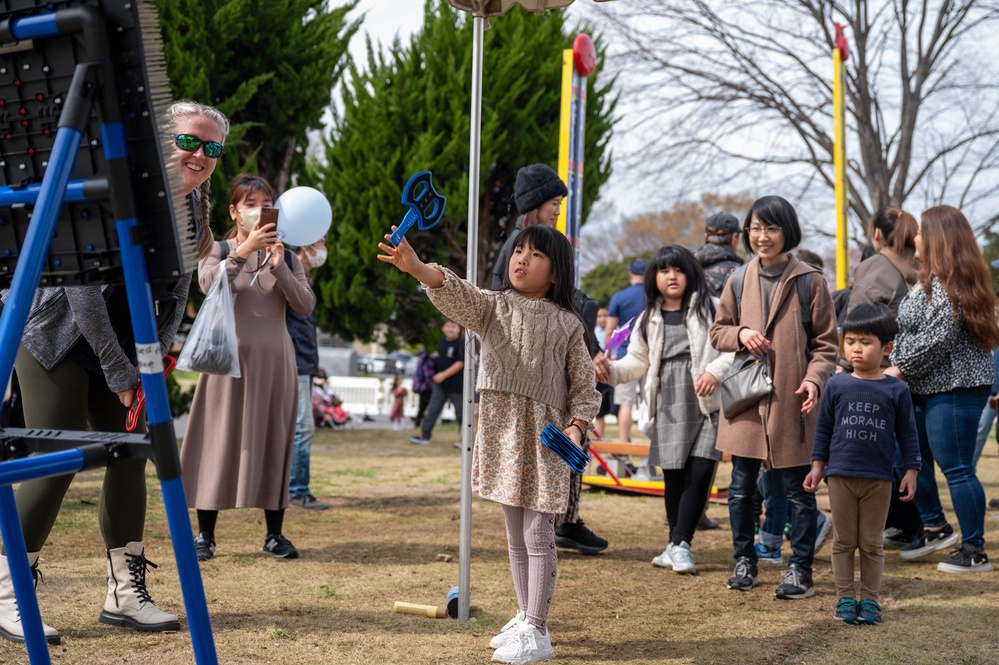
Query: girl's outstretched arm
[{"x": 405, "y": 259}]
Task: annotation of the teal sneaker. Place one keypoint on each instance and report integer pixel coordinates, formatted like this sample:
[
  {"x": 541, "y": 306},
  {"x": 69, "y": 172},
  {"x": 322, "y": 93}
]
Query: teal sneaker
[
  {"x": 870, "y": 613},
  {"x": 846, "y": 610}
]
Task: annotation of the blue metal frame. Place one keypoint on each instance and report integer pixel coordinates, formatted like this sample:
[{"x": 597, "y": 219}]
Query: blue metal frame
[{"x": 48, "y": 198}]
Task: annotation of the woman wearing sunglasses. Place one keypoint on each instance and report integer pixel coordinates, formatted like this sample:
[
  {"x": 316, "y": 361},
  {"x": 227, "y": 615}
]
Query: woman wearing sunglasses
[
  {"x": 77, "y": 368},
  {"x": 237, "y": 449}
]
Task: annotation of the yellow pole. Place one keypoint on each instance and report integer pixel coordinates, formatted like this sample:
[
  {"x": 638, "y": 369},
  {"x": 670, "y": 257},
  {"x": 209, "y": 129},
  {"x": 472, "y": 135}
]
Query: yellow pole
[
  {"x": 565, "y": 120},
  {"x": 839, "y": 165}
]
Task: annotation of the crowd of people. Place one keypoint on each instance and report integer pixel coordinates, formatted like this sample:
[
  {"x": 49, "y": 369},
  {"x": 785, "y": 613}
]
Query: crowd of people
[{"x": 869, "y": 400}]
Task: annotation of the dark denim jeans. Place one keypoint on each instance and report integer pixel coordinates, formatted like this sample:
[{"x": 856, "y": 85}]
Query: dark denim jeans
[
  {"x": 802, "y": 511},
  {"x": 948, "y": 428},
  {"x": 771, "y": 487}
]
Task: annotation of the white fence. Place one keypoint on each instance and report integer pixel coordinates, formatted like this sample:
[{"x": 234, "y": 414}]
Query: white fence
[{"x": 371, "y": 396}]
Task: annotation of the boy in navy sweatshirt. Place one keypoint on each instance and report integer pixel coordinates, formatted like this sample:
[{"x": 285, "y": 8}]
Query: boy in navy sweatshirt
[{"x": 860, "y": 418}]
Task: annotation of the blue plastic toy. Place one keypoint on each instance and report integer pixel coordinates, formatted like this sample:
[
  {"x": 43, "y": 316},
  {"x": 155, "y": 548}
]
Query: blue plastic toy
[{"x": 426, "y": 206}]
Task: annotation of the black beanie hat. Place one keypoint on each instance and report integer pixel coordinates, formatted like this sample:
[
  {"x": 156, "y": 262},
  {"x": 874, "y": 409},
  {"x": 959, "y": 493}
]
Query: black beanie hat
[{"x": 536, "y": 184}]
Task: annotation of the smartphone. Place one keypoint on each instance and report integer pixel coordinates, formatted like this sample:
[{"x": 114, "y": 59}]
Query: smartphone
[{"x": 268, "y": 216}]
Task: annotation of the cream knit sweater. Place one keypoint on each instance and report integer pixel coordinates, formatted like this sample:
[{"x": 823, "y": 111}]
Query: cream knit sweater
[{"x": 527, "y": 345}]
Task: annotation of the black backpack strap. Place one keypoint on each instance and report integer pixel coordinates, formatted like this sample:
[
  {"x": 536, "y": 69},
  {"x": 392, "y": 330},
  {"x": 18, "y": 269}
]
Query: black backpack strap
[
  {"x": 738, "y": 280},
  {"x": 804, "y": 283},
  {"x": 224, "y": 245}
]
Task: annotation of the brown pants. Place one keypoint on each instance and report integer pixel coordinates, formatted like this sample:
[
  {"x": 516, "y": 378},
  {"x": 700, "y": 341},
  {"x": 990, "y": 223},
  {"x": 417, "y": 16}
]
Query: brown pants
[{"x": 859, "y": 510}]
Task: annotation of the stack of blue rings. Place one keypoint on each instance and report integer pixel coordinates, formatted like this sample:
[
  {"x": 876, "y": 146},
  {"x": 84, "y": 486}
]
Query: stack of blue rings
[{"x": 561, "y": 445}]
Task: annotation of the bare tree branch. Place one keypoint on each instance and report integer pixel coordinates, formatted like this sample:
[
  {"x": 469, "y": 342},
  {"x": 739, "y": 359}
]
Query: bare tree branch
[{"x": 723, "y": 87}]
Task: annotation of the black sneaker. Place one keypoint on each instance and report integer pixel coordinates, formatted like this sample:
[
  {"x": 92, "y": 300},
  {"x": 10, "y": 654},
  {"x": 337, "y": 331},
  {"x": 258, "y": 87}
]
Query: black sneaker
[
  {"x": 744, "y": 577},
  {"x": 278, "y": 546},
  {"x": 929, "y": 542},
  {"x": 993, "y": 503},
  {"x": 897, "y": 538},
  {"x": 796, "y": 583},
  {"x": 577, "y": 537},
  {"x": 204, "y": 546},
  {"x": 968, "y": 559},
  {"x": 307, "y": 502}
]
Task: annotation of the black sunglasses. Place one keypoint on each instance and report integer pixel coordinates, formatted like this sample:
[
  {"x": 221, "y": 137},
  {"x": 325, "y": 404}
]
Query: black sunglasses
[{"x": 190, "y": 143}]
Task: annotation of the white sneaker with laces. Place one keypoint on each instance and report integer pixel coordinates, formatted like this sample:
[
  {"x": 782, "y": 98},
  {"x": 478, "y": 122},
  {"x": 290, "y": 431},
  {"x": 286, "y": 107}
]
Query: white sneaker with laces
[
  {"x": 663, "y": 560},
  {"x": 683, "y": 560},
  {"x": 527, "y": 645},
  {"x": 507, "y": 632}
]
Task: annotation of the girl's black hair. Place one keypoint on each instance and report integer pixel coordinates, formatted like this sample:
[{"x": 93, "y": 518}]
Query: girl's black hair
[
  {"x": 558, "y": 249},
  {"x": 774, "y": 211},
  {"x": 874, "y": 319},
  {"x": 675, "y": 256}
]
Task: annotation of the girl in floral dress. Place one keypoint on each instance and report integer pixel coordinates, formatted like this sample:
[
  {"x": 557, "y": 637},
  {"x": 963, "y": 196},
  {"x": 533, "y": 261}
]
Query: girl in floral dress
[{"x": 535, "y": 368}]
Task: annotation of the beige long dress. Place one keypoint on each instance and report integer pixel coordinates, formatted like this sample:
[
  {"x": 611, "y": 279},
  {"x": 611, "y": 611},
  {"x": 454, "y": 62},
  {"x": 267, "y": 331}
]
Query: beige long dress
[{"x": 237, "y": 450}]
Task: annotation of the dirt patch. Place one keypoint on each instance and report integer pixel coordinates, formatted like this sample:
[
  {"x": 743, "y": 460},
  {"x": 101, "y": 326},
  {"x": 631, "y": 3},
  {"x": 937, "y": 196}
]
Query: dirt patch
[{"x": 394, "y": 508}]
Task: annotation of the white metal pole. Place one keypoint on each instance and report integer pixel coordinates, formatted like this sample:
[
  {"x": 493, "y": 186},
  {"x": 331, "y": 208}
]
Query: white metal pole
[{"x": 471, "y": 270}]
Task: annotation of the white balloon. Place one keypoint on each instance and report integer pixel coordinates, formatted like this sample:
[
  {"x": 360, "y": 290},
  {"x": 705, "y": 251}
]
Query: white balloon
[{"x": 305, "y": 216}]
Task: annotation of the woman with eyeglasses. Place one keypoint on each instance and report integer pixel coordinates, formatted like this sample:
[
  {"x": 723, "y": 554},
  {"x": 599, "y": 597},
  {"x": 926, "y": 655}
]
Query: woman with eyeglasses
[
  {"x": 765, "y": 318},
  {"x": 77, "y": 370},
  {"x": 237, "y": 449}
]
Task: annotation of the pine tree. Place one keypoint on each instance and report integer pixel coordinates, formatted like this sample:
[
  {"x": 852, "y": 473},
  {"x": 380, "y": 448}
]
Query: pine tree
[
  {"x": 270, "y": 65},
  {"x": 409, "y": 111}
]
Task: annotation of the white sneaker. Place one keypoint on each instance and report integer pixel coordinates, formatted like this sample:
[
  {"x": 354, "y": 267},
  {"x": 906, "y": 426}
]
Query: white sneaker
[
  {"x": 664, "y": 560},
  {"x": 507, "y": 632},
  {"x": 527, "y": 645},
  {"x": 683, "y": 560}
]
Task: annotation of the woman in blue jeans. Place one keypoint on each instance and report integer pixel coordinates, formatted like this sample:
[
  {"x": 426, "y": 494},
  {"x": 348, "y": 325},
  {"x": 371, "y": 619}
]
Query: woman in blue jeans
[{"x": 947, "y": 330}]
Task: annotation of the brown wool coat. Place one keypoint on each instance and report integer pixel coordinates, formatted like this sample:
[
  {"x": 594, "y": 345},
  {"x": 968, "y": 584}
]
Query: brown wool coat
[{"x": 792, "y": 359}]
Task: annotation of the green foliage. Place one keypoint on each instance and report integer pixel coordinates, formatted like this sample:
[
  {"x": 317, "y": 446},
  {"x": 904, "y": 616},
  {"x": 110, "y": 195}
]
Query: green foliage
[
  {"x": 408, "y": 110},
  {"x": 606, "y": 279},
  {"x": 269, "y": 65},
  {"x": 180, "y": 399}
]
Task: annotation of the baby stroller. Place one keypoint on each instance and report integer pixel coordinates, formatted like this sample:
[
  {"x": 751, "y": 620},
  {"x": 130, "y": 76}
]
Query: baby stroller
[{"x": 327, "y": 409}]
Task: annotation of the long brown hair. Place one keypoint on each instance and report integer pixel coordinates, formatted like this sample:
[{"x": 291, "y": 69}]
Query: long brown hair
[
  {"x": 898, "y": 228},
  {"x": 951, "y": 252}
]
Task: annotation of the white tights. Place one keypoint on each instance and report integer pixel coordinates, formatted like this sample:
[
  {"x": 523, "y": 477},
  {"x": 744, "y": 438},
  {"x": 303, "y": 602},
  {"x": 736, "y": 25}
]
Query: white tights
[{"x": 533, "y": 561}]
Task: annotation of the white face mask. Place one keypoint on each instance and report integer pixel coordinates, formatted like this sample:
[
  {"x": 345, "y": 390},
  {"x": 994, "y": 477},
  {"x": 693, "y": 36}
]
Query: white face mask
[
  {"x": 250, "y": 217},
  {"x": 318, "y": 259}
]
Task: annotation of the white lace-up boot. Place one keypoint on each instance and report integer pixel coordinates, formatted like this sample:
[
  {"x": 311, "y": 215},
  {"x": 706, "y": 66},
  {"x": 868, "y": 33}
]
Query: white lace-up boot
[
  {"x": 10, "y": 617},
  {"x": 128, "y": 603}
]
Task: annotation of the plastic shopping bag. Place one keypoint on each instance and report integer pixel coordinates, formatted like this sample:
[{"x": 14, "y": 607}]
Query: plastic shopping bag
[{"x": 212, "y": 346}]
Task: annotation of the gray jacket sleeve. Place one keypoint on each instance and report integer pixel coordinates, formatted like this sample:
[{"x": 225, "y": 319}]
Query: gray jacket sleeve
[
  {"x": 169, "y": 331},
  {"x": 90, "y": 313}
]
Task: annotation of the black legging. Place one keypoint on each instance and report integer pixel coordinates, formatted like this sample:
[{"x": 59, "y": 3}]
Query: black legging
[
  {"x": 686, "y": 495},
  {"x": 71, "y": 398}
]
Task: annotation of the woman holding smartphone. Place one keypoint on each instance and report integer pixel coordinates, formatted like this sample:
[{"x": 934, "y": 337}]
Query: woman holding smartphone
[{"x": 237, "y": 451}]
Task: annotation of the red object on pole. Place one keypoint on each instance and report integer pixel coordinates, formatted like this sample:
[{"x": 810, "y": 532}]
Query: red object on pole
[
  {"x": 584, "y": 54},
  {"x": 841, "y": 43}
]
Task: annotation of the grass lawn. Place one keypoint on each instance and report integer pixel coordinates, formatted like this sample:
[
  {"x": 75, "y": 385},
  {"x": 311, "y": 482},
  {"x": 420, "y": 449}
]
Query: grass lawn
[{"x": 394, "y": 508}]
